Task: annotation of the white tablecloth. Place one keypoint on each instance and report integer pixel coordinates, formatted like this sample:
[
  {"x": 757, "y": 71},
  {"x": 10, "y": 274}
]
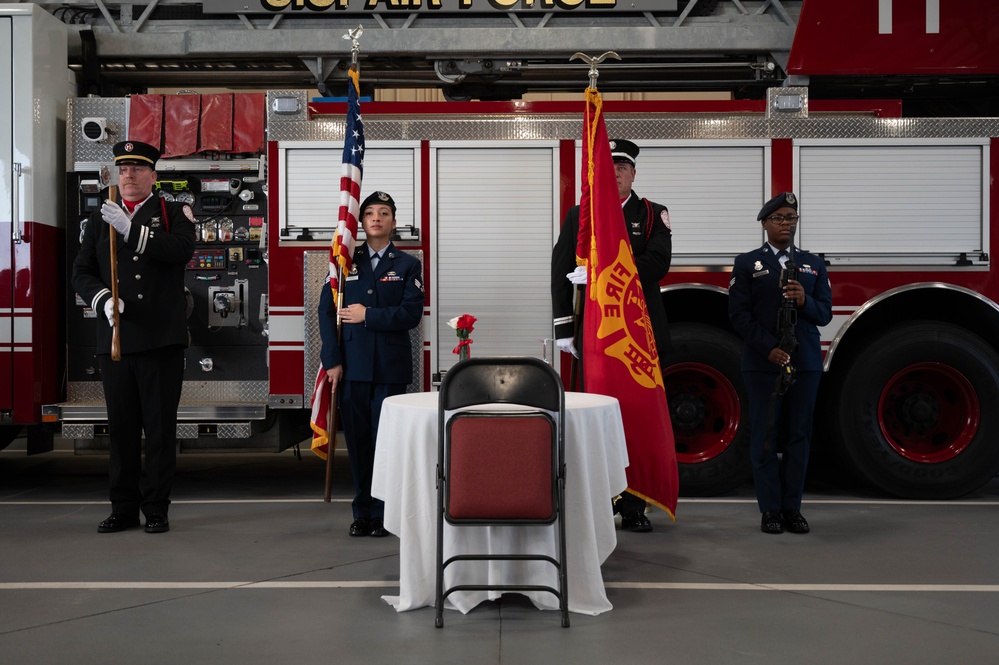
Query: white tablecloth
[{"x": 405, "y": 478}]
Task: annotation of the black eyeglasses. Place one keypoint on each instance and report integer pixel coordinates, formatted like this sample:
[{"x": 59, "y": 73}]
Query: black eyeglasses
[{"x": 780, "y": 219}]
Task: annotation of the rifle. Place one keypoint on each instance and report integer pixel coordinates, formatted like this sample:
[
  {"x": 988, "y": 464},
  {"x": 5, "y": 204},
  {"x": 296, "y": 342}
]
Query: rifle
[{"x": 787, "y": 317}]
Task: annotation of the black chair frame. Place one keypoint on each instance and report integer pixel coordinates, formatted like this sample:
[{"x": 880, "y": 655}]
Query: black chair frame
[{"x": 505, "y": 380}]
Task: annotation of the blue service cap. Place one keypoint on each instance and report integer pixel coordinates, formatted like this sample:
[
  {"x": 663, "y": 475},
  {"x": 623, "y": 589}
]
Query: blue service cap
[
  {"x": 782, "y": 200},
  {"x": 378, "y": 198}
]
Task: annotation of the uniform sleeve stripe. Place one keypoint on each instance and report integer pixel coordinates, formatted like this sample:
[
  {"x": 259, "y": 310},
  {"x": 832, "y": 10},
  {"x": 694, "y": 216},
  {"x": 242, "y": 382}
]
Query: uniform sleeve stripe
[
  {"x": 97, "y": 298},
  {"x": 564, "y": 319}
]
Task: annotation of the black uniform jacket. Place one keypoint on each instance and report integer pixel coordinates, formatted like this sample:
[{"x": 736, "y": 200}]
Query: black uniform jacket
[
  {"x": 754, "y": 298},
  {"x": 151, "y": 265},
  {"x": 378, "y": 350},
  {"x": 653, "y": 249}
]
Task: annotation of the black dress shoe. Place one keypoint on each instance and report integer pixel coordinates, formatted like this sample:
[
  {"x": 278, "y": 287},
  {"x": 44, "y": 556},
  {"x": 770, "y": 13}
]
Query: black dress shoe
[
  {"x": 636, "y": 521},
  {"x": 157, "y": 523},
  {"x": 771, "y": 522},
  {"x": 794, "y": 521},
  {"x": 117, "y": 522},
  {"x": 378, "y": 529},
  {"x": 360, "y": 527}
]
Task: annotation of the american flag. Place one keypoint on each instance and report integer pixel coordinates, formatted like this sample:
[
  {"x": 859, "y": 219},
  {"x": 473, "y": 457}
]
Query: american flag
[
  {"x": 341, "y": 251},
  {"x": 342, "y": 248}
]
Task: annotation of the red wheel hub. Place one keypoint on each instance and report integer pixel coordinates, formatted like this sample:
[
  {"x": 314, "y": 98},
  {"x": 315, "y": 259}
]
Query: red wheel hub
[
  {"x": 704, "y": 407},
  {"x": 929, "y": 412}
]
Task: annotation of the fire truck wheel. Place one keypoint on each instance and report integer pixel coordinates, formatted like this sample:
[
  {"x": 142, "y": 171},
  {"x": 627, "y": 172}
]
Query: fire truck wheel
[
  {"x": 707, "y": 404},
  {"x": 917, "y": 416}
]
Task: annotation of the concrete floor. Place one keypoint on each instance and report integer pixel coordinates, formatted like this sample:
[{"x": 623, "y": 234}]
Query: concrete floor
[{"x": 258, "y": 569}]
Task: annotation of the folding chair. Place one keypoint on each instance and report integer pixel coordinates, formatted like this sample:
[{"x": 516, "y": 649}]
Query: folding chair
[{"x": 501, "y": 467}]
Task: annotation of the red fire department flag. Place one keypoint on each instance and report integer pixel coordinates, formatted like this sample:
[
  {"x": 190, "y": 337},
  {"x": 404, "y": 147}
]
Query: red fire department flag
[
  {"x": 619, "y": 350},
  {"x": 342, "y": 247}
]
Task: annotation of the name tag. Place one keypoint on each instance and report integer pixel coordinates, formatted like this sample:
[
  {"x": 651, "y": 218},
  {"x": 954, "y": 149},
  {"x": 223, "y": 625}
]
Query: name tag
[
  {"x": 350, "y": 278},
  {"x": 761, "y": 273}
]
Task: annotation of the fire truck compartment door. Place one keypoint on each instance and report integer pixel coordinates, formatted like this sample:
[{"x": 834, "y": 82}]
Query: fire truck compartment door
[{"x": 7, "y": 217}]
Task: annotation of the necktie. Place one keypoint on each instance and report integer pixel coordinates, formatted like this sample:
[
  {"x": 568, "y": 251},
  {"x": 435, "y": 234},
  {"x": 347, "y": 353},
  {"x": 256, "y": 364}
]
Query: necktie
[
  {"x": 375, "y": 259},
  {"x": 782, "y": 257}
]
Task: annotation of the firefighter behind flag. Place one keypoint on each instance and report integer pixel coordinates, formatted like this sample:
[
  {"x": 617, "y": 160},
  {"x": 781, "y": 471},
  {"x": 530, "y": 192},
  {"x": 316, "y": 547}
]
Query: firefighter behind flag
[
  {"x": 621, "y": 333},
  {"x": 341, "y": 250}
]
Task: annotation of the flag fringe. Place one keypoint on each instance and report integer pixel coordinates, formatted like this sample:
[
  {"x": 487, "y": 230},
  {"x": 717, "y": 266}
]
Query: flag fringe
[{"x": 652, "y": 501}]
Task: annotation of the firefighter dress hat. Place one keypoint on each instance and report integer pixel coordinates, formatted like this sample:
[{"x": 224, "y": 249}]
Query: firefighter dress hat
[
  {"x": 624, "y": 151},
  {"x": 135, "y": 152}
]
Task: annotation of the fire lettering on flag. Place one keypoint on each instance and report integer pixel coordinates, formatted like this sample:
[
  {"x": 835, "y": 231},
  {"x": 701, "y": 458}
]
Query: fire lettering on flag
[
  {"x": 620, "y": 358},
  {"x": 624, "y": 321}
]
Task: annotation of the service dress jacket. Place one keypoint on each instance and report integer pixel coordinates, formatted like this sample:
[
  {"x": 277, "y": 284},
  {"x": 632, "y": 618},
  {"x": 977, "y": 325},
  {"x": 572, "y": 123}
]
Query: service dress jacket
[
  {"x": 754, "y": 298},
  {"x": 151, "y": 269},
  {"x": 378, "y": 350},
  {"x": 653, "y": 250}
]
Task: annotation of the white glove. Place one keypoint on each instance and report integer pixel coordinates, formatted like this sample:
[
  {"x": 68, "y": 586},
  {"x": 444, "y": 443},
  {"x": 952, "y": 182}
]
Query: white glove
[
  {"x": 577, "y": 276},
  {"x": 566, "y": 345},
  {"x": 109, "y": 309},
  {"x": 116, "y": 217}
]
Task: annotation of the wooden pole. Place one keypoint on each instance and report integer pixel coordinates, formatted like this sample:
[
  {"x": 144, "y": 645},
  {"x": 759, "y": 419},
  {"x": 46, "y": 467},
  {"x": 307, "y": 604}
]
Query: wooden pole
[
  {"x": 577, "y": 322},
  {"x": 115, "y": 316},
  {"x": 331, "y": 419},
  {"x": 330, "y": 448}
]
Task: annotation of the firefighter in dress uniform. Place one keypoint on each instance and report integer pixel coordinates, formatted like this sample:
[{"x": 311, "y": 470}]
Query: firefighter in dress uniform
[
  {"x": 382, "y": 301},
  {"x": 652, "y": 243},
  {"x": 754, "y": 298},
  {"x": 142, "y": 390}
]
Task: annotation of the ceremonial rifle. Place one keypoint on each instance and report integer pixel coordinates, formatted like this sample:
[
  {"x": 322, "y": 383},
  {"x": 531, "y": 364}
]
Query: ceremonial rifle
[{"x": 787, "y": 317}]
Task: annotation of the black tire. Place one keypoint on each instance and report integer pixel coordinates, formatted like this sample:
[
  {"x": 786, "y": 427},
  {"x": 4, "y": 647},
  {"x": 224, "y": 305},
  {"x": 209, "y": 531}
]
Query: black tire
[
  {"x": 708, "y": 407},
  {"x": 917, "y": 416}
]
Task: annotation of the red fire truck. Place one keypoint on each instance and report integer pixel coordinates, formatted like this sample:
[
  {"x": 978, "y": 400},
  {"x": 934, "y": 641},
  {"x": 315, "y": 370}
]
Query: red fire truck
[{"x": 900, "y": 208}]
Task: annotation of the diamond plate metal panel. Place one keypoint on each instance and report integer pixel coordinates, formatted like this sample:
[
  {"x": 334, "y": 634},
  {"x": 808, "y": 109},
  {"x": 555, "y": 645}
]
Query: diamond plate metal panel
[
  {"x": 637, "y": 126},
  {"x": 234, "y": 431},
  {"x": 195, "y": 393},
  {"x": 84, "y": 392},
  {"x": 85, "y": 155},
  {"x": 79, "y": 431},
  {"x": 316, "y": 265}
]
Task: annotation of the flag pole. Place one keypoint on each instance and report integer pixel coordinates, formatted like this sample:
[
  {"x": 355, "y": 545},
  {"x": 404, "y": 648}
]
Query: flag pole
[
  {"x": 355, "y": 48},
  {"x": 580, "y": 291},
  {"x": 115, "y": 316},
  {"x": 331, "y": 418}
]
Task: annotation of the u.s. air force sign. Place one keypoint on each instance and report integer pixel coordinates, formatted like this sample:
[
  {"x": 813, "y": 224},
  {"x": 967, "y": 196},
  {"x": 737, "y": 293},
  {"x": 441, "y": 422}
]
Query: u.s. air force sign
[
  {"x": 461, "y": 6},
  {"x": 625, "y": 328}
]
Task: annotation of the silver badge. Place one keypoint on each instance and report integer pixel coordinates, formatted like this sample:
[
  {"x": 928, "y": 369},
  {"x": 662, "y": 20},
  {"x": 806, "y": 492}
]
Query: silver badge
[{"x": 758, "y": 265}]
